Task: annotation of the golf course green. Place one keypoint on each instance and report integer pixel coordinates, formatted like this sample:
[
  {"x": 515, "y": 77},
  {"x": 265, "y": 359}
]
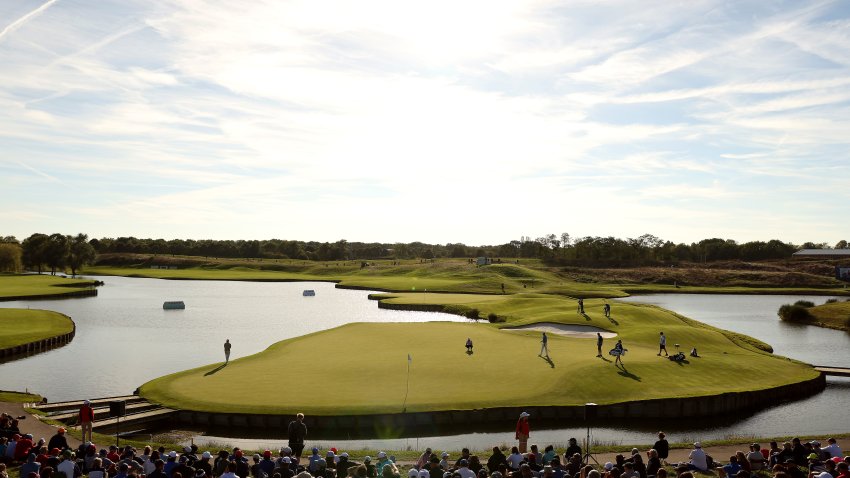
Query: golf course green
[
  {"x": 362, "y": 368},
  {"x": 22, "y": 326},
  {"x": 22, "y": 286}
]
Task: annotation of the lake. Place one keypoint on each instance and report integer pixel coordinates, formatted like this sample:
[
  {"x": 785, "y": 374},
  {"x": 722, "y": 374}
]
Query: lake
[{"x": 124, "y": 338}]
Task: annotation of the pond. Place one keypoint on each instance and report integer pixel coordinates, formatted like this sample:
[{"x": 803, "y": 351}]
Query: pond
[{"x": 124, "y": 339}]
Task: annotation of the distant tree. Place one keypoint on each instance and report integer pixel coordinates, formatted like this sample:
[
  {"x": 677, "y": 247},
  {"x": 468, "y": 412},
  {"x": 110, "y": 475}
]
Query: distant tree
[
  {"x": 842, "y": 244},
  {"x": 428, "y": 254},
  {"x": 10, "y": 257},
  {"x": 56, "y": 252},
  {"x": 34, "y": 248},
  {"x": 80, "y": 252},
  {"x": 9, "y": 240}
]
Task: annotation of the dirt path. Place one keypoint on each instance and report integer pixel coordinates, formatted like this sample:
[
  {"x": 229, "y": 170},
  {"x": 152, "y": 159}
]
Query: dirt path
[{"x": 33, "y": 425}]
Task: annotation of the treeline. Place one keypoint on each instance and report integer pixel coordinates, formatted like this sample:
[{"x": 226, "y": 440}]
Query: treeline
[{"x": 57, "y": 251}]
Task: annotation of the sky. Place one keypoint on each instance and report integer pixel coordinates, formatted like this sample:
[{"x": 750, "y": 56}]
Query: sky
[{"x": 441, "y": 121}]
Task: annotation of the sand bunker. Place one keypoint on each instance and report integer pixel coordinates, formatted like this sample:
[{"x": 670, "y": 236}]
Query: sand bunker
[{"x": 568, "y": 330}]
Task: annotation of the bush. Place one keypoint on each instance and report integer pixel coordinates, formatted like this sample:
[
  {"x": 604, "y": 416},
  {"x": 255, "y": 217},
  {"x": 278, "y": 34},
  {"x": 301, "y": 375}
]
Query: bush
[
  {"x": 831, "y": 301},
  {"x": 804, "y": 303},
  {"x": 473, "y": 314},
  {"x": 493, "y": 318},
  {"x": 795, "y": 313}
]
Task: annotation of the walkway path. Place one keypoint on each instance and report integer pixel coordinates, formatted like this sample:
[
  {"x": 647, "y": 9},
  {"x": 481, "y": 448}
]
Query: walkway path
[{"x": 33, "y": 425}]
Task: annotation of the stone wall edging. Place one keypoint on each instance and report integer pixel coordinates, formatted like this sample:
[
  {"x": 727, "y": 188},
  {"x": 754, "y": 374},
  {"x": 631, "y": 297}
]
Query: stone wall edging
[
  {"x": 38, "y": 346},
  {"x": 676, "y": 407},
  {"x": 77, "y": 293}
]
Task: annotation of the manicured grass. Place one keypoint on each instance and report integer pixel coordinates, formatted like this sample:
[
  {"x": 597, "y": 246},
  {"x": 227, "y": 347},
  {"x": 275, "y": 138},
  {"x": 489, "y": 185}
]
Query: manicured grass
[
  {"x": 835, "y": 315},
  {"x": 18, "y": 397},
  {"x": 31, "y": 285},
  {"x": 21, "y": 326},
  {"x": 361, "y": 368}
]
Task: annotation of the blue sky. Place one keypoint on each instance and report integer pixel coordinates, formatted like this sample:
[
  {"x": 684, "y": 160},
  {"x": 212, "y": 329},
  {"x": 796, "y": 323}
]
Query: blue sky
[{"x": 475, "y": 122}]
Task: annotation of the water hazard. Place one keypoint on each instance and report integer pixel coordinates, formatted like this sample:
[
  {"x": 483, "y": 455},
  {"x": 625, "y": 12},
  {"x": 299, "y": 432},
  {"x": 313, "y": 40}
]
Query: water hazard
[{"x": 124, "y": 339}]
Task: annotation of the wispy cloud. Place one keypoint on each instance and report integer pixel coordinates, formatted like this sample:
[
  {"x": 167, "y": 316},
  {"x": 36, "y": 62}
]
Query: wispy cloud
[{"x": 174, "y": 118}]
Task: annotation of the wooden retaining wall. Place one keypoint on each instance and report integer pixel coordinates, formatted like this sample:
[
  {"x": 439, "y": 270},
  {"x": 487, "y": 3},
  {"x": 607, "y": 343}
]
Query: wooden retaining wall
[
  {"x": 77, "y": 293},
  {"x": 669, "y": 408},
  {"x": 43, "y": 345}
]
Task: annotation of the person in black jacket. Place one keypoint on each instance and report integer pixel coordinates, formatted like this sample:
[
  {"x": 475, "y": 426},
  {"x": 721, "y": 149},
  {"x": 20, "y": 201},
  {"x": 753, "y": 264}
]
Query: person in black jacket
[
  {"x": 495, "y": 459},
  {"x": 662, "y": 447},
  {"x": 297, "y": 433}
]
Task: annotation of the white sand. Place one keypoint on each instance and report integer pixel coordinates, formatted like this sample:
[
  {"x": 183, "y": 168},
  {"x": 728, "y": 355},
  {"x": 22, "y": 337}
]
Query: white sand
[{"x": 568, "y": 330}]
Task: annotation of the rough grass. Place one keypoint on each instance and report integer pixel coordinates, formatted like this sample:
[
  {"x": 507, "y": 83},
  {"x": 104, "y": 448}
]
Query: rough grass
[
  {"x": 21, "y": 326},
  {"x": 31, "y": 285},
  {"x": 361, "y": 368},
  {"x": 18, "y": 397},
  {"x": 835, "y": 315}
]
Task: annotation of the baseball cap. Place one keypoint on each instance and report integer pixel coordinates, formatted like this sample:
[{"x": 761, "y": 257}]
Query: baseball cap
[
  {"x": 524, "y": 414},
  {"x": 445, "y": 455},
  {"x": 424, "y": 474},
  {"x": 206, "y": 454},
  {"x": 267, "y": 454},
  {"x": 382, "y": 454},
  {"x": 812, "y": 456},
  {"x": 697, "y": 445},
  {"x": 609, "y": 466},
  {"x": 367, "y": 458},
  {"x": 343, "y": 455},
  {"x": 200, "y": 473},
  {"x": 413, "y": 473}
]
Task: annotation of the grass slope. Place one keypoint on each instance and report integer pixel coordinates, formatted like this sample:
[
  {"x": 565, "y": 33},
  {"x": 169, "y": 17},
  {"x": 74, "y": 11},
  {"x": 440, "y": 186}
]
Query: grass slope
[
  {"x": 361, "y": 368},
  {"x": 33, "y": 285},
  {"x": 21, "y": 326},
  {"x": 834, "y": 315}
]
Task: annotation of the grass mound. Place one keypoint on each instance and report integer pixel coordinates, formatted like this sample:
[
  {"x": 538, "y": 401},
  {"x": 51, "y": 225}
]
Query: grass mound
[
  {"x": 22, "y": 326},
  {"x": 361, "y": 368}
]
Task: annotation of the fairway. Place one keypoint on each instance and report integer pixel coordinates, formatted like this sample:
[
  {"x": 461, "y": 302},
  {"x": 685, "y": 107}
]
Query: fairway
[
  {"x": 361, "y": 368},
  {"x": 21, "y": 326}
]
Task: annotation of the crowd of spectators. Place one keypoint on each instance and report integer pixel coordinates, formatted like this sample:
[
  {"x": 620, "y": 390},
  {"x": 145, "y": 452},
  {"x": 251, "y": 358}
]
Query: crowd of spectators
[{"x": 55, "y": 459}]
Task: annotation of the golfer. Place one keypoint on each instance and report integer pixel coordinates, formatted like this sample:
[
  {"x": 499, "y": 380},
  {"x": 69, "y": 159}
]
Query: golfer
[
  {"x": 662, "y": 345},
  {"x": 468, "y": 345},
  {"x": 544, "y": 346},
  {"x": 227, "y": 351},
  {"x": 86, "y": 418},
  {"x": 607, "y": 310},
  {"x": 598, "y": 344},
  {"x": 297, "y": 432}
]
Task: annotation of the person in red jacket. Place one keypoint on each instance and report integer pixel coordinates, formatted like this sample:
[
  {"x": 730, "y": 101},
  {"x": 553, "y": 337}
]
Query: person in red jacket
[
  {"x": 522, "y": 431},
  {"x": 86, "y": 418},
  {"x": 22, "y": 449}
]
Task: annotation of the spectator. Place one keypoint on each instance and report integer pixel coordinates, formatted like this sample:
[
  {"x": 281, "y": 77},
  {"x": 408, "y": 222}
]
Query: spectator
[
  {"x": 731, "y": 469},
  {"x": 653, "y": 463},
  {"x": 572, "y": 449},
  {"x": 662, "y": 447},
  {"x": 31, "y": 466},
  {"x": 495, "y": 459},
  {"x": 832, "y": 448},
  {"x": 514, "y": 459}
]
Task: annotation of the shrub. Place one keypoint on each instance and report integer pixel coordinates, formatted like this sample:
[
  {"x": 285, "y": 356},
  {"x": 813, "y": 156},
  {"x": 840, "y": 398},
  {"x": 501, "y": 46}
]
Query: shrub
[
  {"x": 493, "y": 318},
  {"x": 831, "y": 301},
  {"x": 473, "y": 314},
  {"x": 794, "y": 313},
  {"x": 805, "y": 303}
]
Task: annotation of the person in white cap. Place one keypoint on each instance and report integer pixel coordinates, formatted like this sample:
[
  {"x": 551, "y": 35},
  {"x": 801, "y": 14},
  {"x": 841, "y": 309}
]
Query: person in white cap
[
  {"x": 697, "y": 458},
  {"x": 523, "y": 431},
  {"x": 86, "y": 418}
]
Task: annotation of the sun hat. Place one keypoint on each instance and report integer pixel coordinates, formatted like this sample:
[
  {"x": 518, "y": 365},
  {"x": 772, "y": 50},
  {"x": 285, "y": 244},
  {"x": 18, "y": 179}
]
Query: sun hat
[
  {"x": 206, "y": 454},
  {"x": 171, "y": 454},
  {"x": 524, "y": 414}
]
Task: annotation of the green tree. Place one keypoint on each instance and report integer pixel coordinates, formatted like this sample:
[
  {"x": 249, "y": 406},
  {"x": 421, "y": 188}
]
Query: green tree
[
  {"x": 34, "y": 248},
  {"x": 80, "y": 252},
  {"x": 56, "y": 252},
  {"x": 10, "y": 257}
]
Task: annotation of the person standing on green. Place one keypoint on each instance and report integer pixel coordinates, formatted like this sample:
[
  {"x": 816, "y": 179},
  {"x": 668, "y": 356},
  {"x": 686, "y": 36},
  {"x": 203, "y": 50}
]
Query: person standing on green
[{"x": 227, "y": 351}]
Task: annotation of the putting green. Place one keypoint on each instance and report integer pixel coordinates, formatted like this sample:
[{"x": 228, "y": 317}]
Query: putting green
[
  {"x": 361, "y": 368},
  {"x": 22, "y": 326}
]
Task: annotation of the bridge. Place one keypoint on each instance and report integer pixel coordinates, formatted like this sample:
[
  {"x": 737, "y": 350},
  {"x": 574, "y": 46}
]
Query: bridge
[
  {"x": 140, "y": 413},
  {"x": 834, "y": 371}
]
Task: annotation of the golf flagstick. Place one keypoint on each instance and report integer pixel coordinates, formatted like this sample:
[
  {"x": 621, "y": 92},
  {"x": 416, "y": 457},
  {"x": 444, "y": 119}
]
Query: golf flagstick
[{"x": 407, "y": 386}]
